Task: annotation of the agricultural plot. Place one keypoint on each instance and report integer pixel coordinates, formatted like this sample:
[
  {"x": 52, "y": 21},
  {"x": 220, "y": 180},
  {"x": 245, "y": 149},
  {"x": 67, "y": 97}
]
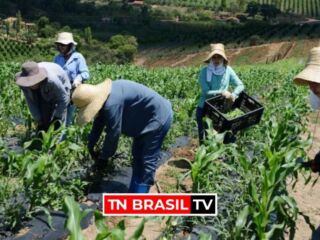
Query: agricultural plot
[
  {"x": 36, "y": 174},
  {"x": 306, "y": 8},
  {"x": 303, "y": 7},
  {"x": 11, "y": 49}
]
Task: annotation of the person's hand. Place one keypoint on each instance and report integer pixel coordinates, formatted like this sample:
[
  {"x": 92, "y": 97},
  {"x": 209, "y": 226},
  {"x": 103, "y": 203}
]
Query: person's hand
[
  {"x": 228, "y": 95},
  {"x": 94, "y": 154},
  {"x": 315, "y": 163},
  {"x": 76, "y": 83}
]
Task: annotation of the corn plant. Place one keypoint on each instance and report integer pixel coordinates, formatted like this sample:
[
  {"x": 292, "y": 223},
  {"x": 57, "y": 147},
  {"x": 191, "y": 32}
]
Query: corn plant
[{"x": 75, "y": 215}]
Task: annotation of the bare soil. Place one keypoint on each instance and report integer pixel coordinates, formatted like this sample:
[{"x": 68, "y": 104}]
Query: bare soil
[
  {"x": 265, "y": 53},
  {"x": 308, "y": 196}
]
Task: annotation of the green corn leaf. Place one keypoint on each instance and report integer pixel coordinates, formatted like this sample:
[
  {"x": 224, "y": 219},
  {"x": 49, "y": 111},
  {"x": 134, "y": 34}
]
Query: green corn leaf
[
  {"x": 138, "y": 232},
  {"x": 274, "y": 227},
  {"x": 47, "y": 213},
  {"x": 75, "y": 215},
  {"x": 242, "y": 219},
  {"x": 100, "y": 222},
  {"x": 118, "y": 233}
]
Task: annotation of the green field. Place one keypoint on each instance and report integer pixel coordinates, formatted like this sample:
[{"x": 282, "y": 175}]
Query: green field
[{"x": 249, "y": 176}]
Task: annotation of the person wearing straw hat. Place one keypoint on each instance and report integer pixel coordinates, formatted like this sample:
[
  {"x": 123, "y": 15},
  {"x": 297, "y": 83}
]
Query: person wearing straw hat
[
  {"x": 129, "y": 108},
  {"x": 310, "y": 76},
  {"x": 215, "y": 79},
  {"x": 73, "y": 63},
  {"x": 46, "y": 87}
]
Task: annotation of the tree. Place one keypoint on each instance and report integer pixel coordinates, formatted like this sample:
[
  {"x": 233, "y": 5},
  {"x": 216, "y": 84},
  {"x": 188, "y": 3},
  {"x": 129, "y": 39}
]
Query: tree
[
  {"x": 18, "y": 21},
  {"x": 269, "y": 11},
  {"x": 242, "y": 4},
  {"x": 42, "y": 22},
  {"x": 88, "y": 35},
  {"x": 7, "y": 27},
  {"x": 216, "y": 6},
  {"x": 124, "y": 46},
  {"x": 223, "y": 4},
  {"x": 252, "y": 9}
]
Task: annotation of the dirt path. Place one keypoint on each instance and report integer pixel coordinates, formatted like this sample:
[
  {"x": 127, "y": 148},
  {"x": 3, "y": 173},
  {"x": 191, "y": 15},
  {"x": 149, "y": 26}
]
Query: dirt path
[
  {"x": 308, "y": 196},
  {"x": 185, "y": 59}
]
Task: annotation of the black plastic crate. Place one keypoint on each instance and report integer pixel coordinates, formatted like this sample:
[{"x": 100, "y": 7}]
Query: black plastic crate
[{"x": 216, "y": 106}]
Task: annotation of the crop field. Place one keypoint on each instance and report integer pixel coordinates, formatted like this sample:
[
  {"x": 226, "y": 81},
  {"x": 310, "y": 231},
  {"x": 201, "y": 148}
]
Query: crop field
[
  {"x": 42, "y": 174},
  {"x": 12, "y": 49},
  {"x": 303, "y": 7}
]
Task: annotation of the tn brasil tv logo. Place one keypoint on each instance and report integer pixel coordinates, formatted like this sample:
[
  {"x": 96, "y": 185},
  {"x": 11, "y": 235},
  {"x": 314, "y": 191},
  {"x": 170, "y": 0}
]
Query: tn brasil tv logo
[{"x": 201, "y": 204}]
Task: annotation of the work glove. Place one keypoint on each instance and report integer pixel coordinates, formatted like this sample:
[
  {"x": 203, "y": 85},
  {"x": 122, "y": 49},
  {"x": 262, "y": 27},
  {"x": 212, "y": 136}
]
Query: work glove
[
  {"x": 228, "y": 95},
  {"x": 76, "y": 83}
]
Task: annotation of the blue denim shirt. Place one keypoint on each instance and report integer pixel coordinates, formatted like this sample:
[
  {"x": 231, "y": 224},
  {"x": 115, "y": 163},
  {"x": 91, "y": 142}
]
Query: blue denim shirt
[
  {"x": 218, "y": 84},
  {"x": 75, "y": 66},
  {"x": 132, "y": 109},
  {"x": 55, "y": 91}
]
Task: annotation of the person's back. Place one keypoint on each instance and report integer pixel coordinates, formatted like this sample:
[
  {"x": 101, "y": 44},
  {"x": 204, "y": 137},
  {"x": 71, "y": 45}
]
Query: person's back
[
  {"x": 56, "y": 73},
  {"x": 142, "y": 109}
]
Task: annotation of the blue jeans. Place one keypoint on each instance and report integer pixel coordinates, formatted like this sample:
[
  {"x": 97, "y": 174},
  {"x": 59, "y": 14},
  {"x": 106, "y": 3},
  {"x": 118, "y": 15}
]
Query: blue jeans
[
  {"x": 68, "y": 121},
  {"x": 70, "y": 114},
  {"x": 146, "y": 154},
  {"x": 199, "y": 118}
]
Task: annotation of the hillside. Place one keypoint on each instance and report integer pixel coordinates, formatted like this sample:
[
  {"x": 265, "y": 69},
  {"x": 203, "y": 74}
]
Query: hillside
[
  {"x": 309, "y": 8},
  {"x": 265, "y": 53}
]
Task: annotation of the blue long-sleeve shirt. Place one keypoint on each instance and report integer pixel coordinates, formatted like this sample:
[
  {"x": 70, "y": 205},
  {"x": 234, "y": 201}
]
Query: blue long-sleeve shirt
[
  {"x": 131, "y": 109},
  {"x": 218, "y": 84},
  {"x": 76, "y": 66}
]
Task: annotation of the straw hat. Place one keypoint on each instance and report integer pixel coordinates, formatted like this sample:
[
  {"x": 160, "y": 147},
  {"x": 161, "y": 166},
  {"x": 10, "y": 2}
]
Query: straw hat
[
  {"x": 311, "y": 73},
  {"x": 65, "y": 38},
  {"x": 30, "y": 75},
  {"x": 90, "y": 99},
  {"x": 217, "y": 48}
]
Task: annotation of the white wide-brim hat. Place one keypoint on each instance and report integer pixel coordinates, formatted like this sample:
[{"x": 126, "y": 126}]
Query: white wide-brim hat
[
  {"x": 217, "y": 48},
  {"x": 311, "y": 73},
  {"x": 90, "y": 99},
  {"x": 65, "y": 38}
]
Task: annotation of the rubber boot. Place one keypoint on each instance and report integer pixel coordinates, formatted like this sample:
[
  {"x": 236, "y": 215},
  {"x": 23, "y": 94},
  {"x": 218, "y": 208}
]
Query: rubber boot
[
  {"x": 139, "y": 188},
  {"x": 132, "y": 185}
]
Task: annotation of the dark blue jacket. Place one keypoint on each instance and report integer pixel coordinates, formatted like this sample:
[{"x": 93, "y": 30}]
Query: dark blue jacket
[{"x": 132, "y": 109}]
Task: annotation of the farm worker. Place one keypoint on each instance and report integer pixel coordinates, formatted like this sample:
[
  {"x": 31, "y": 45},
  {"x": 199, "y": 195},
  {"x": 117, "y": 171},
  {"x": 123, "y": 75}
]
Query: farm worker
[
  {"x": 310, "y": 76},
  {"x": 127, "y": 107},
  {"x": 215, "y": 79},
  {"x": 73, "y": 63},
  {"x": 47, "y": 90}
]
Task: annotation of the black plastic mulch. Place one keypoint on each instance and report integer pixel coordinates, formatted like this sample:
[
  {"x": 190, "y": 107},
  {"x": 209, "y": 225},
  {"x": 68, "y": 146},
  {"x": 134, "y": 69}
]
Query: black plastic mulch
[{"x": 118, "y": 182}]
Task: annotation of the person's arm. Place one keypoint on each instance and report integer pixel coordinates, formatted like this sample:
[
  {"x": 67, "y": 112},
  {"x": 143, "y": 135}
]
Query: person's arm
[
  {"x": 62, "y": 97},
  {"x": 205, "y": 85},
  {"x": 83, "y": 71},
  {"x": 235, "y": 81},
  {"x": 97, "y": 128},
  {"x": 32, "y": 104},
  {"x": 114, "y": 123}
]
